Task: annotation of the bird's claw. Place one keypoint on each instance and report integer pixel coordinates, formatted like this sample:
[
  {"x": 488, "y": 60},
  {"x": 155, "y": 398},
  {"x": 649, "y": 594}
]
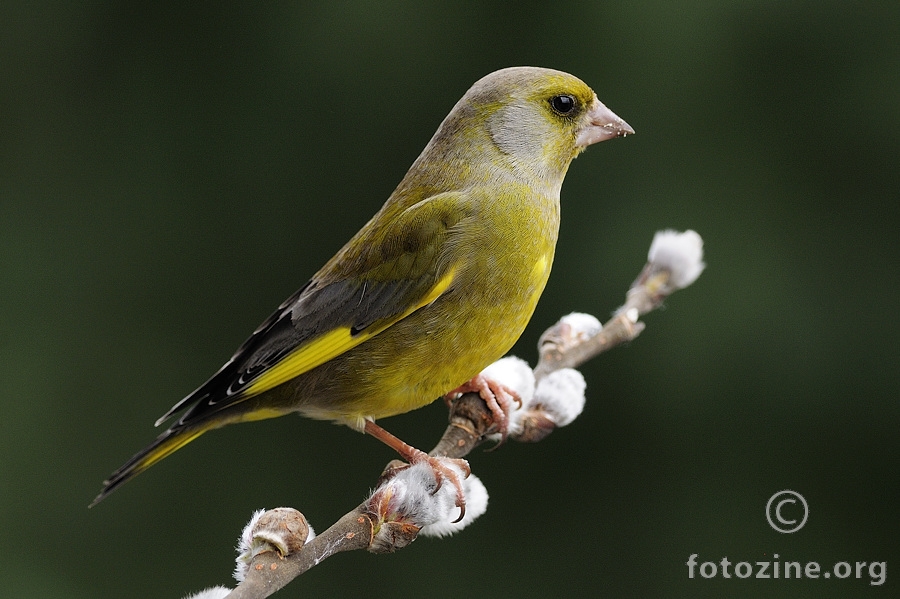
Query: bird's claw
[
  {"x": 498, "y": 397},
  {"x": 444, "y": 472}
]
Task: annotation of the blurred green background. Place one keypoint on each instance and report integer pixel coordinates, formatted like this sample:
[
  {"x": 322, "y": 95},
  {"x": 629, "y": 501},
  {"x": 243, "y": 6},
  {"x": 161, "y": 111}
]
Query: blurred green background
[{"x": 168, "y": 175}]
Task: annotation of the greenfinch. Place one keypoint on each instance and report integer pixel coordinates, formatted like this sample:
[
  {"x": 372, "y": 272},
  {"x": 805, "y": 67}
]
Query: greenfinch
[{"x": 437, "y": 285}]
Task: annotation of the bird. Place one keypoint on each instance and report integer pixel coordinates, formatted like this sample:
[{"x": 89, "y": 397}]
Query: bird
[{"x": 437, "y": 285}]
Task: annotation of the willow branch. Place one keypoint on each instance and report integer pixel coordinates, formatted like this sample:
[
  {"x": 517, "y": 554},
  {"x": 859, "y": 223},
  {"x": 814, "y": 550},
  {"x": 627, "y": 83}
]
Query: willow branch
[{"x": 278, "y": 549}]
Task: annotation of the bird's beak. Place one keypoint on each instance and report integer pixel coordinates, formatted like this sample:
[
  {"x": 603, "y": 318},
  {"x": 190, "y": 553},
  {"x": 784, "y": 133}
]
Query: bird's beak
[{"x": 601, "y": 124}]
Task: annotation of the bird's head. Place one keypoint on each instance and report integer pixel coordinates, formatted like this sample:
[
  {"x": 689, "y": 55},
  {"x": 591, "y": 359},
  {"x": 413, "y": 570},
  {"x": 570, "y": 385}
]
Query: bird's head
[
  {"x": 538, "y": 119},
  {"x": 526, "y": 123}
]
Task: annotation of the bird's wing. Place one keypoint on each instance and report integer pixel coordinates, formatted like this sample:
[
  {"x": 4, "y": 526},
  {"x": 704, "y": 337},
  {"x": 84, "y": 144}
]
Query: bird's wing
[{"x": 394, "y": 266}]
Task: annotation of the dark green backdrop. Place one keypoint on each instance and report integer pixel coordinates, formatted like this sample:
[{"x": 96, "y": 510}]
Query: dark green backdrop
[{"x": 169, "y": 175}]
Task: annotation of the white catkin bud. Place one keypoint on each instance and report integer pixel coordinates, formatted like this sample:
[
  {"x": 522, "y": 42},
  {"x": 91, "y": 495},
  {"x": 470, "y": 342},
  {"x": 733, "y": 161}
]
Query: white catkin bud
[
  {"x": 246, "y": 548},
  {"x": 679, "y": 253},
  {"x": 257, "y": 538},
  {"x": 412, "y": 498},
  {"x": 582, "y": 326},
  {"x": 210, "y": 593},
  {"x": 476, "y": 504},
  {"x": 514, "y": 373},
  {"x": 560, "y": 395}
]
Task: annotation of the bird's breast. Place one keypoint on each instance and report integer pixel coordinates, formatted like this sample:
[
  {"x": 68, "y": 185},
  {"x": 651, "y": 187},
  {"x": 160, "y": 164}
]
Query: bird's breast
[{"x": 500, "y": 267}]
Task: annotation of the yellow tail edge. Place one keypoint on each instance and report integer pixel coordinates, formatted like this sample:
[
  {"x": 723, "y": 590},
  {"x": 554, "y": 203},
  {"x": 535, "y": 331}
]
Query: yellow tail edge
[{"x": 165, "y": 445}]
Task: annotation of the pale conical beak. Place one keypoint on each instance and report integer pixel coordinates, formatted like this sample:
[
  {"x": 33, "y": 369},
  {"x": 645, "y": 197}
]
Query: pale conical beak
[{"x": 601, "y": 124}]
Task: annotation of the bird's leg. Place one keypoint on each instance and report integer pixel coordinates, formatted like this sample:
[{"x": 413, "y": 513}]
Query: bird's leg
[
  {"x": 498, "y": 397},
  {"x": 415, "y": 456}
]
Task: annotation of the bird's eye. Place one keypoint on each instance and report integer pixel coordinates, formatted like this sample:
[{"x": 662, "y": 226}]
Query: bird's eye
[{"x": 563, "y": 104}]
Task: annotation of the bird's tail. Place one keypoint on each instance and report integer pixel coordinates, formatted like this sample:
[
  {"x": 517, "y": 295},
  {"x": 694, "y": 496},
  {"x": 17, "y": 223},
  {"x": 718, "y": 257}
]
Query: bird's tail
[{"x": 170, "y": 441}]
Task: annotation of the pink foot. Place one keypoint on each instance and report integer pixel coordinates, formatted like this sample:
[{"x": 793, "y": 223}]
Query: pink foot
[{"x": 498, "y": 397}]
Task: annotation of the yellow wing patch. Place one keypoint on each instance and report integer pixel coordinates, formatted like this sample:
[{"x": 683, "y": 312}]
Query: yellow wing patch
[
  {"x": 306, "y": 358},
  {"x": 331, "y": 344}
]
